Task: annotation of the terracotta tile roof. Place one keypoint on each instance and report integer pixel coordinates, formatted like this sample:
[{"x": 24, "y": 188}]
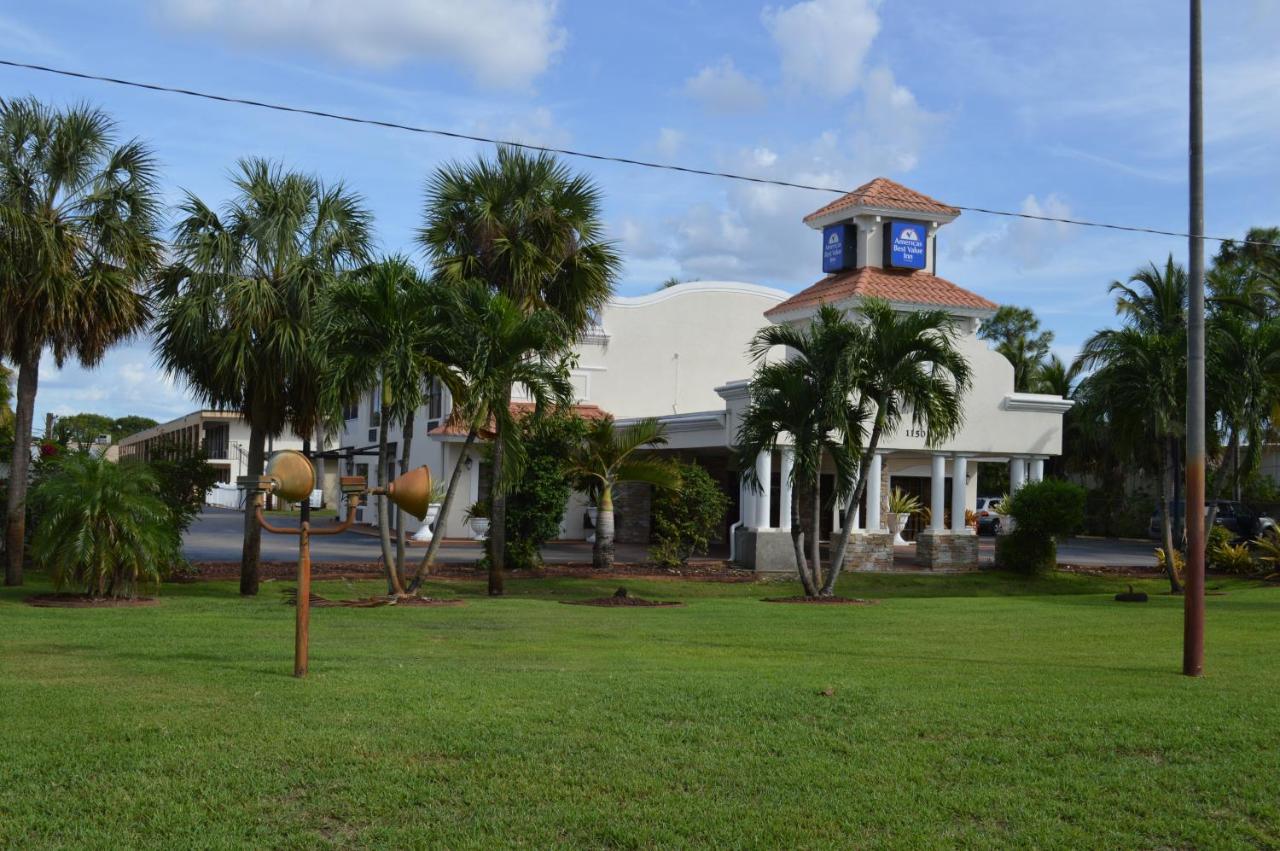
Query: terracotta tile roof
[
  {"x": 454, "y": 426},
  {"x": 883, "y": 193},
  {"x": 912, "y": 287}
]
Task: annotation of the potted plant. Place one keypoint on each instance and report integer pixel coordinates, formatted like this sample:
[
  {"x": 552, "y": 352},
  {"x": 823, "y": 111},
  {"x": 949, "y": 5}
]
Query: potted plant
[
  {"x": 901, "y": 507},
  {"x": 427, "y": 529},
  {"x": 478, "y": 519}
]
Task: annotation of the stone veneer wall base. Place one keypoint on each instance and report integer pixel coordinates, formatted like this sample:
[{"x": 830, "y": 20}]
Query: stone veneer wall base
[
  {"x": 947, "y": 550},
  {"x": 869, "y": 551}
]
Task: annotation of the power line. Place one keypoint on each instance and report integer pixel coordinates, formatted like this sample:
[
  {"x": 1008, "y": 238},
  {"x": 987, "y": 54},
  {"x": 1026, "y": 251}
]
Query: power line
[{"x": 453, "y": 134}]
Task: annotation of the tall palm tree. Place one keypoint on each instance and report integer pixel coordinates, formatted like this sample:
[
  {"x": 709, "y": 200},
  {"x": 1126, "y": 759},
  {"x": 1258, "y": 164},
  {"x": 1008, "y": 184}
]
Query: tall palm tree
[
  {"x": 1141, "y": 374},
  {"x": 908, "y": 366},
  {"x": 607, "y": 457},
  {"x": 807, "y": 401},
  {"x": 527, "y": 227},
  {"x": 386, "y": 327},
  {"x": 237, "y": 308},
  {"x": 508, "y": 347},
  {"x": 79, "y": 223}
]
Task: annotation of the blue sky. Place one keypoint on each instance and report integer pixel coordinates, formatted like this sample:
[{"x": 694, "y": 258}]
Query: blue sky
[{"x": 1063, "y": 108}]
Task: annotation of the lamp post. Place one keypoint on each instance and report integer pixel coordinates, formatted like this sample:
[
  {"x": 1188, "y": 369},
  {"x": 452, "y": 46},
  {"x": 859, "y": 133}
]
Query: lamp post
[
  {"x": 1193, "y": 600},
  {"x": 291, "y": 476}
]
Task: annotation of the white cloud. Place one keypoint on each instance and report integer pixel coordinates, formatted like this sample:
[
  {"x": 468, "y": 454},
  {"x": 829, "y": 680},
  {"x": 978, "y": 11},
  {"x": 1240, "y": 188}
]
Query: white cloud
[
  {"x": 14, "y": 36},
  {"x": 1028, "y": 243},
  {"x": 505, "y": 43},
  {"x": 823, "y": 44},
  {"x": 723, "y": 89},
  {"x": 535, "y": 127},
  {"x": 892, "y": 129},
  {"x": 669, "y": 141}
]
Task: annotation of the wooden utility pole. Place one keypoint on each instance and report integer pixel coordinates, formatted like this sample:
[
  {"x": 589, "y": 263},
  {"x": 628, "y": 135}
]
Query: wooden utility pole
[{"x": 1193, "y": 602}]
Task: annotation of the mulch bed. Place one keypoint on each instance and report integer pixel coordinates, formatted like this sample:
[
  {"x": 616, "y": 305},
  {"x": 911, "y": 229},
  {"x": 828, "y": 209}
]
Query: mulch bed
[
  {"x": 616, "y": 602},
  {"x": 702, "y": 571},
  {"x": 823, "y": 601},
  {"x": 318, "y": 602},
  {"x": 86, "y": 601}
]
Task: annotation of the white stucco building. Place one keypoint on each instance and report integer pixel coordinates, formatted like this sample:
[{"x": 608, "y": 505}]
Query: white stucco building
[{"x": 680, "y": 354}]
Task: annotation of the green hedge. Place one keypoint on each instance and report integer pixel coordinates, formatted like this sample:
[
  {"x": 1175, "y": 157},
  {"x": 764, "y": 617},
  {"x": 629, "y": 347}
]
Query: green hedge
[{"x": 1042, "y": 512}]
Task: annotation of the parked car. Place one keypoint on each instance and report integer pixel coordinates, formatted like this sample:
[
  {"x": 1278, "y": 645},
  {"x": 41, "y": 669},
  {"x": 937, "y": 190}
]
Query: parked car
[
  {"x": 990, "y": 520},
  {"x": 1244, "y": 523}
]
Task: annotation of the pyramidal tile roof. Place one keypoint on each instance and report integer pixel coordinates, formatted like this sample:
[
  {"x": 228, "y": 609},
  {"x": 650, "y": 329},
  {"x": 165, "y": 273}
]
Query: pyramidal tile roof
[
  {"x": 894, "y": 285},
  {"x": 885, "y": 194}
]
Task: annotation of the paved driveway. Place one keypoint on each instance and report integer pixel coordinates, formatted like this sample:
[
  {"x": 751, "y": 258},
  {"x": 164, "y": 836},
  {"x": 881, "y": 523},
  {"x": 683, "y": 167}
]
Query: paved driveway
[{"x": 216, "y": 535}]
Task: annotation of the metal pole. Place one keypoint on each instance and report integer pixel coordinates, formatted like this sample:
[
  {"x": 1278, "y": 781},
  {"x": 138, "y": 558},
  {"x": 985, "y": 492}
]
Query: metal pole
[
  {"x": 302, "y": 626},
  {"x": 1193, "y": 603}
]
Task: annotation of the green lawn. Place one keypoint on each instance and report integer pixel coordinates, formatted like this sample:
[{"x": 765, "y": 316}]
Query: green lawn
[{"x": 974, "y": 710}]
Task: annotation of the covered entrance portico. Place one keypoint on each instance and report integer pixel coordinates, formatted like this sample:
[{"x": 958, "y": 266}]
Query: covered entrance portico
[{"x": 940, "y": 534}]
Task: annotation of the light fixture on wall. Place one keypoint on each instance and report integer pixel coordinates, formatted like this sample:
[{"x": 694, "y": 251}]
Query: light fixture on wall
[{"x": 467, "y": 463}]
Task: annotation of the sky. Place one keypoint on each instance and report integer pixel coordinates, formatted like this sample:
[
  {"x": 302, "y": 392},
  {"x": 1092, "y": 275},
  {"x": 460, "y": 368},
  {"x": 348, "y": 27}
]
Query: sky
[{"x": 1065, "y": 109}]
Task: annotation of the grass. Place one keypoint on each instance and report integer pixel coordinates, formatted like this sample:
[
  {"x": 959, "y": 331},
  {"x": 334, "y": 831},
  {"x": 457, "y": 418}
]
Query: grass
[{"x": 964, "y": 710}]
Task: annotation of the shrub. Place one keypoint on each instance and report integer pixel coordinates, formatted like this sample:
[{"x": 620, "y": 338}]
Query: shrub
[
  {"x": 1026, "y": 553},
  {"x": 686, "y": 519},
  {"x": 1042, "y": 512},
  {"x": 184, "y": 476},
  {"x": 103, "y": 526},
  {"x": 1232, "y": 558},
  {"x": 1217, "y": 536},
  {"x": 1179, "y": 562},
  {"x": 535, "y": 505}
]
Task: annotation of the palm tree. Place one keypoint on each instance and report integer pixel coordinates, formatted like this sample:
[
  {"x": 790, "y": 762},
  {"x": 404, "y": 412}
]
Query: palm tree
[
  {"x": 529, "y": 228},
  {"x": 237, "y": 308},
  {"x": 1017, "y": 335},
  {"x": 605, "y": 458},
  {"x": 385, "y": 327},
  {"x": 1056, "y": 377},
  {"x": 908, "y": 365},
  {"x": 103, "y": 526},
  {"x": 1141, "y": 376},
  {"x": 79, "y": 218},
  {"x": 507, "y": 348},
  {"x": 808, "y": 400}
]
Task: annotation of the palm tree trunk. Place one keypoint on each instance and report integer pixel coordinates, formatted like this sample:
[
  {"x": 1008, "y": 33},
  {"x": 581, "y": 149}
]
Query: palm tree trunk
[
  {"x": 384, "y": 507},
  {"x": 498, "y": 510},
  {"x": 406, "y": 437},
  {"x": 437, "y": 537},
  {"x": 815, "y": 548},
  {"x": 251, "y": 551},
  {"x": 859, "y": 488},
  {"x": 1166, "y": 517},
  {"x": 19, "y": 466},
  {"x": 602, "y": 551},
  {"x": 797, "y": 541}
]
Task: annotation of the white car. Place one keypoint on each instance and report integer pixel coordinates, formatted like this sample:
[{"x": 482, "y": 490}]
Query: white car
[{"x": 990, "y": 520}]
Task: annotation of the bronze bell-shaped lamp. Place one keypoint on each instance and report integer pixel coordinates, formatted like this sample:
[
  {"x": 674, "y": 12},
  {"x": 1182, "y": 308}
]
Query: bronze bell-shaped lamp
[{"x": 412, "y": 492}]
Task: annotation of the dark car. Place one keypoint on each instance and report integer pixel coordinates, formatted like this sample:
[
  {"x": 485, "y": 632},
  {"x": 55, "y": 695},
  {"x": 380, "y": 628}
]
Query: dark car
[{"x": 1244, "y": 523}]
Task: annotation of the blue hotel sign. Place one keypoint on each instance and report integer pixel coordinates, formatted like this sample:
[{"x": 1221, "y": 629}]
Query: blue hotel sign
[
  {"x": 839, "y": 247},
  {"x": 905, "y": 245}
]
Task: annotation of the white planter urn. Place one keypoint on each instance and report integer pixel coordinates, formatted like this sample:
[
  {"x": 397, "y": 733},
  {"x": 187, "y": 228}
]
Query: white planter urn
[
  {"x": 479, "y": 528},
  {"x": 898, "y": 522},
  {"x": 593, "y": 514},
  {"x": 424, "y": 533}
]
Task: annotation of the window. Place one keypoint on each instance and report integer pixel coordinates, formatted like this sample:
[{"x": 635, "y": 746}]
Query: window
[
  {"x": 351, "y": 410},
  {"x": 375, "y": 413},
  {"x": 435, "y": 403}
]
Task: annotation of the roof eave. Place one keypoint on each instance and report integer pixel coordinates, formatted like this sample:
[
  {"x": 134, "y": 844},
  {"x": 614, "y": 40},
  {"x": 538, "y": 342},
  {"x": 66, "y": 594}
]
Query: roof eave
[{"x": 818, "y": 221}]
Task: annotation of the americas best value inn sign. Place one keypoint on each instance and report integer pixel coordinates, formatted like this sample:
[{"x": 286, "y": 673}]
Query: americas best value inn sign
[{"x": 904, "y": 245}]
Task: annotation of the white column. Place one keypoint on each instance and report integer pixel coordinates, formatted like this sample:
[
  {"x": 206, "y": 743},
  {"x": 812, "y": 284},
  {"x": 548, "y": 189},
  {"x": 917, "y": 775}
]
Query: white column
[
  {"x": 873, "y": 493},
  {"x": 748, "y": 501},
  {"x": 1037, "y": 469},
  {"x": 764, "y": 500},
  {"x": 959, "y": 475},
  {"x": 784, "y": 491},
  {"x": 937, "y": 492},
  {"x": 1017, "y": 474}
]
